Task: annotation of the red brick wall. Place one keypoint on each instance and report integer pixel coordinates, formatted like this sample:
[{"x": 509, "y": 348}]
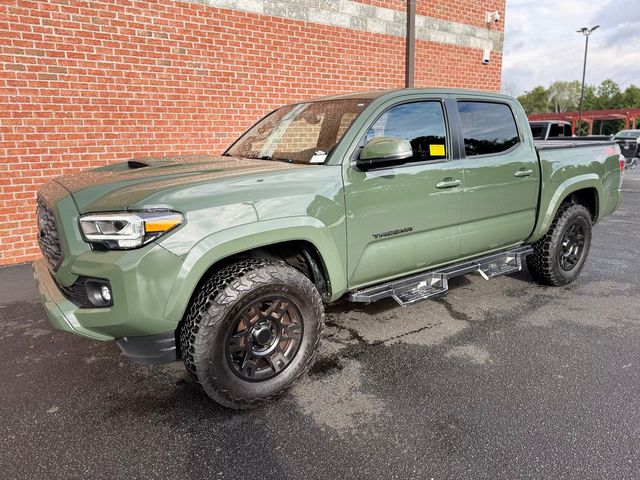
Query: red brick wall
[
  {"x": 87, "y": 83},
  {"x": 462, "y": 68}
]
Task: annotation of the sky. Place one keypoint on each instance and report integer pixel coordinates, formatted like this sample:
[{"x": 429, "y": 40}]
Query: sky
[{"x": 541, "y": 43}]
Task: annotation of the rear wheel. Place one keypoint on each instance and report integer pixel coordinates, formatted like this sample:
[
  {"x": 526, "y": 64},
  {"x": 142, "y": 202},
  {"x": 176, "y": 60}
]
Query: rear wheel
[
  {"x": 251, "y": 332},
  {"x": 559, "y": 256}
]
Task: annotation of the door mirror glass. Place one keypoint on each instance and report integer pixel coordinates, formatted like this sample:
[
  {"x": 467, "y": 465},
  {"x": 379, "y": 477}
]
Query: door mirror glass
[{"x": 384, "y": 152}]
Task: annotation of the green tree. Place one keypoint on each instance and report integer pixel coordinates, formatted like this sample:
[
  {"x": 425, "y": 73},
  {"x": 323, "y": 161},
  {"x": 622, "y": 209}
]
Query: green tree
[
  {"x": 582, "y": 128},
  {"x": 590, "y": 101},
  {"x": 564, "y": 96},
  {"x": 631, "y": 97},
  {"x": 609, "y": 95},
  {"x": 535, "y": 101}
]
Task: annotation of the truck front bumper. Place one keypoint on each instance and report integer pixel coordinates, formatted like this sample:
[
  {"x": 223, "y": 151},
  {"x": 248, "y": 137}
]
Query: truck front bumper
[
  {"x": 60, "y": 311},
  {"x": 136, "y": 317}
]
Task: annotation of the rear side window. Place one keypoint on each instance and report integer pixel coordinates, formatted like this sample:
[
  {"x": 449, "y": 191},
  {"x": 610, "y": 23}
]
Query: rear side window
[
  {"x": 536, "y": 131},
  {"x": 422, "y": 123},
  {"x": 556, "y": 130},
  {"x": 488, "y": 128}
]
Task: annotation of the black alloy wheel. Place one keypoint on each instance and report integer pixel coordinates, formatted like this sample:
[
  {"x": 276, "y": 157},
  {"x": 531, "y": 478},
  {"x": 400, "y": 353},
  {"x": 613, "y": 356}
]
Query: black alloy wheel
[
  {"x": 264, "y": 338},
  {"x": 572, "y": 246}
]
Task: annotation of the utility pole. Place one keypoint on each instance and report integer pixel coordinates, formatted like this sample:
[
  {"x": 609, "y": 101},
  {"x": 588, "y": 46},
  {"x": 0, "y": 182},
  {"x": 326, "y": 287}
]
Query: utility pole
[
  {"x": 586, "y": 32},
  {"x": 410, "y": 57}
]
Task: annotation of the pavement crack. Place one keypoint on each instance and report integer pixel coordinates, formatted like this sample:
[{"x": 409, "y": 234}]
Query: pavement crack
[
  {"x": 355, "y": 335},
  {"x": 413, "y": 332},
  {"x": 456, "y": 314},
  {"x": 353, "y": 351}
]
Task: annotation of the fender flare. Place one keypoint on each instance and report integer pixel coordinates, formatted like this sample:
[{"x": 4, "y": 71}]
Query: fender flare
[
  {"x": 242, "y": 238},
  {"x": 566, "y": 188}
]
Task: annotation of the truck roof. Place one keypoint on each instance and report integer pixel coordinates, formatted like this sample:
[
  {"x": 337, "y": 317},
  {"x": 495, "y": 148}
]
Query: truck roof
[{"x": 371, "y": 94}]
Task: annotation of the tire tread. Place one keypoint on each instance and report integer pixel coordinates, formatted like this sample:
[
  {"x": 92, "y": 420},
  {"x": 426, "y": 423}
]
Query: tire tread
[
  {"x": 542, "y": 262},
  {"x": 210, "y": 306}
]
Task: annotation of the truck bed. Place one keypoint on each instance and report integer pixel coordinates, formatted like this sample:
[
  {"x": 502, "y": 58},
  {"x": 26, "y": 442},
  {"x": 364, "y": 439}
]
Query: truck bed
[{"x": 591, "y": 164}]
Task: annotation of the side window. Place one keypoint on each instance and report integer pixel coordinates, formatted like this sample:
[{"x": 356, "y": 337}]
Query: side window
[
  {"x": 567, "y": 130},
  {"x": 422, "y": 123},
  {"x": 556, "y": 130},
  {"x": 537, "y": 131},
  {"x": 487, "y": 127}
]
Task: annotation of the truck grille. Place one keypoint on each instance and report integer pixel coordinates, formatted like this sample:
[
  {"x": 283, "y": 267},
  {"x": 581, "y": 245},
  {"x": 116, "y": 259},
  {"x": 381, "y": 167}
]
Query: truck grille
[{"x": 48, "y": 237}]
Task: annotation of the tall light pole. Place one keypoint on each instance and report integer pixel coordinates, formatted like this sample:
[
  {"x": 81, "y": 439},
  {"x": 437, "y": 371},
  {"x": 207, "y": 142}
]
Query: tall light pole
[
  {"x": 410, "y": 56},
  {"x": 586, "y": 32}
]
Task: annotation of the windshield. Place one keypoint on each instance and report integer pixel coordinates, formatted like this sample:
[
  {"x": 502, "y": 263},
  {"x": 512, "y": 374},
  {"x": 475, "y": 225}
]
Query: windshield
[
  {"x": 302, "y": 133},
  {"x": 628, "y": 134}
]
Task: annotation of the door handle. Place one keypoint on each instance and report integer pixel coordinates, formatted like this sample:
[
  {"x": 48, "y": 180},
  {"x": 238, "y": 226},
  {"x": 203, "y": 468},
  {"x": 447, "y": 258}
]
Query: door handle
[
  {"x": 523, "y": 173},
  {"x": 448, "y": 183}
]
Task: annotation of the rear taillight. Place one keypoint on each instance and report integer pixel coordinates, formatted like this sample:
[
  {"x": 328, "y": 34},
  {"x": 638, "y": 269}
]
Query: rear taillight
[{"x": 623, "y": 163}]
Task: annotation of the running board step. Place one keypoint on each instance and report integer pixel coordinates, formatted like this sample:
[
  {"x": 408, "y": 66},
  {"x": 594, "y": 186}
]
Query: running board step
[
  {"x": 502, "y": 266},
  {"x": 430, "y": 286},
  {"x": 422, "y": 286}
]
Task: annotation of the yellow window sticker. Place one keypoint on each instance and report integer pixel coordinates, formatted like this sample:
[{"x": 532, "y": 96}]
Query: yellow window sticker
[{"x": 436, "y": 150}]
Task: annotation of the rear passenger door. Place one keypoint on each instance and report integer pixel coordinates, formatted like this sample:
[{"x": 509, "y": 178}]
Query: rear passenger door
[{"x": 501, "y": 177}]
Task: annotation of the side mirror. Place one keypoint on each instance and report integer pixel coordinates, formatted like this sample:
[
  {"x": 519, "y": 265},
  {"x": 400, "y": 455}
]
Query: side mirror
[{"x": 382, "y": 152}]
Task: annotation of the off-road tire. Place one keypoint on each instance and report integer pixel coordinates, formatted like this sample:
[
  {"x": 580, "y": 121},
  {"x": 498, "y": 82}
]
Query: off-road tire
[
  {"x": 205, "y": 328},
  {"x": 544, "y": 263}
]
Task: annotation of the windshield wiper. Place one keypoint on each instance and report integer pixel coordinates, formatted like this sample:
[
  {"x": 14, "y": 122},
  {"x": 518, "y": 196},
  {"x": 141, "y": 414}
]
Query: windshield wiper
[
  {"x": 277, "y": 159},
  {"x": 263, "y": 157}
]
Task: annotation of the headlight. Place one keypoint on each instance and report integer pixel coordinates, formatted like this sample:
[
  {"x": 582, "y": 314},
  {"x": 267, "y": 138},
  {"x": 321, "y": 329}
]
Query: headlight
[{"x": 123, "y": 230}]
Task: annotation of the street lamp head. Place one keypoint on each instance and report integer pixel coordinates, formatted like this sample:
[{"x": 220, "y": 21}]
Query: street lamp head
[{"x": 586, "y": 31}]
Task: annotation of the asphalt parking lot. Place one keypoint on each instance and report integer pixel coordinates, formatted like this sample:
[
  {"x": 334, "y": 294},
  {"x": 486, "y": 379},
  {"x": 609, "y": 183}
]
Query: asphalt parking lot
[{"x": 499, "y": 379}]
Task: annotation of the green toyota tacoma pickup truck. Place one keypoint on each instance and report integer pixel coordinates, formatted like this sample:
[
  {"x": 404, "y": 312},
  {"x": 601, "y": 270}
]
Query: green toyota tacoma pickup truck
[{"x": 226, "y": 261}]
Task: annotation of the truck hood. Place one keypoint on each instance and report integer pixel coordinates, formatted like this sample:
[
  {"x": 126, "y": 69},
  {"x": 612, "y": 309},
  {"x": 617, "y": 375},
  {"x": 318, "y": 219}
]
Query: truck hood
[{"x": 125, "y": 185}]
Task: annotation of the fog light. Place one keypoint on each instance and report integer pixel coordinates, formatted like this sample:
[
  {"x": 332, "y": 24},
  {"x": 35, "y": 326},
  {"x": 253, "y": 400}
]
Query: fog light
[
  {"x": 99, "y": 293},
  {"x": 105, "y": 293}
]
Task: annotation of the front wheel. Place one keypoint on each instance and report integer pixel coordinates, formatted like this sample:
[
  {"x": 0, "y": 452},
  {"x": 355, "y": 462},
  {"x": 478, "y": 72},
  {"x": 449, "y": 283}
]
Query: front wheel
[
  {"x": 559, "y": 256},
  {"x": 253, "y": 329}
]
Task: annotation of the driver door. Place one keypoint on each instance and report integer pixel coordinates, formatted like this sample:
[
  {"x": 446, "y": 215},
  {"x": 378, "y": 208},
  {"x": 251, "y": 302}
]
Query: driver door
[{"x": 405, "y": 218}]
